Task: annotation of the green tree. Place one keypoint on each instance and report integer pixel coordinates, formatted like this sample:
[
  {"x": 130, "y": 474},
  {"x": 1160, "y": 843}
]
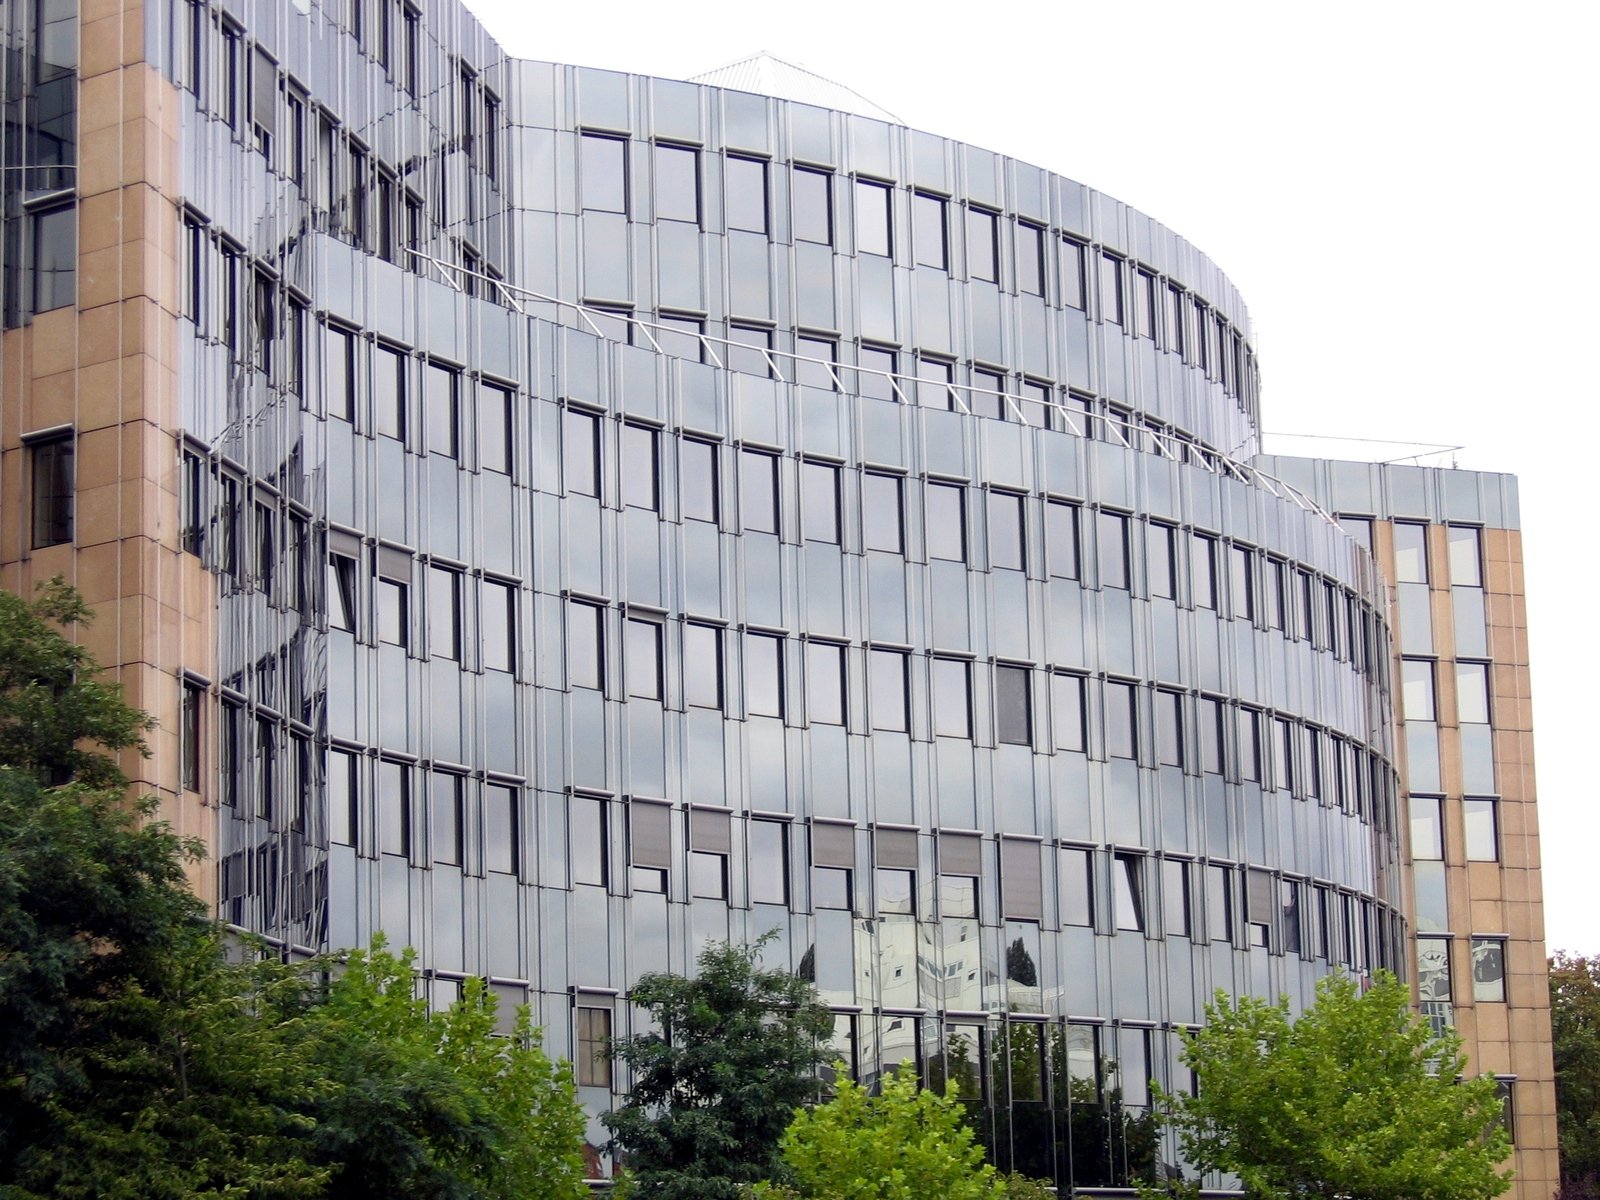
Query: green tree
[
  {"x": 737, "y": 1052},
  {"x": 1357, "y": 1099},
  {"x": 1575, "y": 1028},
  {"x": 906, "y": 1143}
]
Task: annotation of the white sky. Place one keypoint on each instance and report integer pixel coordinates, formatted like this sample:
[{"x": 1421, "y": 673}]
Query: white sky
[{"x": 1404, "y": 193}]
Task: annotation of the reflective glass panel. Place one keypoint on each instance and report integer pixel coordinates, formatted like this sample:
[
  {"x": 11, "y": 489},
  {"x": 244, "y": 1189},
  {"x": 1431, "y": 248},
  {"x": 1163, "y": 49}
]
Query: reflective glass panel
[
  {"x": 952, "y": 697},
  {"x": 880, "y": 512},
  {"x": 946, "y": 517},
  {"x": 813, "y": 206}
]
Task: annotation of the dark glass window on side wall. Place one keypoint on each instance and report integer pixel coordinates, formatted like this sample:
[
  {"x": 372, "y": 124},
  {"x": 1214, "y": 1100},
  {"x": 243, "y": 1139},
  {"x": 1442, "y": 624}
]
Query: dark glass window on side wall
[
  {"x": 52, "y": 465},
  {"x": 873, "y": 222},
  {"x": 745, "y": 183},
  {"x": 677, "y": 183},
  {"x": 603, "y": 173},
  {"x": 53, "y": 259},
  {"x": 812, "y": 201},
  {"x": 1013, "y": 706},
  {"x": 929, "y": 230}
]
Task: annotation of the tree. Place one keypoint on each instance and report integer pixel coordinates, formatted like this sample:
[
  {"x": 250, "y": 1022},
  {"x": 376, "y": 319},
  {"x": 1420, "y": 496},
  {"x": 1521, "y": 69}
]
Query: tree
[
  {"x": 737, "y": 1052},
  {"x": 1357, "y": 1099},
  {"x": 1575, "y": 1029},
  {"x": 906, "y": 1143}
]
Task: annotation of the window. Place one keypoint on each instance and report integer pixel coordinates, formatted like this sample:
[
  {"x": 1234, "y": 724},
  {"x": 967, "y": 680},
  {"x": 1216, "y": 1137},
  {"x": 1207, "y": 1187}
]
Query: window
[
  {"x": 702, "y": 665},
  {"x": 815, "y": 361},
  {"x": 1483, "y": 833},
  {"x": 442, "y": 408},
  {"x": 498, "y": 626},
  {"x": 444, "y": 613},
  {"x": 1243, "y": 582},
  {"x": 1489, "y": 970},
  {"x": 52, "y": 470},
  {"x": 1007, "y": 545},
  {"x": 896, "y": 874},
  {"x": 1427, "y": 830},
  {"x": 952, "y": 697},
  {"x": 947, "y": 521},
  {"x": 343, "y": 822},
  {"x": 1169, "y": 729},
  {"x": 819, "y": 501},
  {"x": 1077, "y": 886},
  {"x": 1073, "y": 290},
  {"x": 1113, "y": 530},
  {"x": 593, "y": 1040},
  {"x": 1161, "y": 559},
  {"x": 812, "y": 200},
  {"x": 1203, "y": 567},
  {"x": 1122, "y": 726},
  {"x": 934, "y": 379},
  {"x": 881, "y": 512},
  {"x": 833, "y": 862},
  {"x": 444, "y": 800},
  {"x": 1030, "y": 259},
  {"x": 887, "y": 682},
  {"x": 643, "y": 658},
  {"x": 1067, "y": 701},
  {"x": 698, "y": 478},
  {"x": 710, "y": 844},
  {"x": 1175, "y": 914},
  {"x": 873, "y": 224},
  {"x": 983, "y": 245},
  {"x": 763, "y": 675},
  {"x": 874, "y": 380},
  {"x": 825, "y": 682},
  {"x": 580, "y": 452},
  {"x": 588, "y": 832},
  {"x": 389, "y": 392},
  {"x": 681, "y": 337},
  {"x": 649, "y": 845},
  {"x": 1219, "y": 903},
  {"x": 392, "y": 593},
  {"x": 603, "y": 173},
  {"x": 190, "y": 736},
  {"x": 640, "y": 471},
  {"x": 769, "y": 862},
  {"x": 677, "y": 183},
  {"x": 394, "y": 807},
  {"x": 1127, "y": 886},
  {"x": 1013, "y": 706},
  {"x": 495, "y": 443},
  {"x": 585, "y": 645},
  {"x": 1021, "y": 880},
  {"x": 1111, "y": 289},
  {"x": 501, "y": 830},
  {"x": 1410, "y": 552},
  {"x": 342, "y": 581},
  {"x": 1466, "y": 555},
  {"x": 929, "y": 231},
  {"x": 1416, "y": 689},
  {"x": 758, "y": 491},
  {"x": 1472, "y": 693},
  {"x": 1211, "y": 736},
  {"x": 1061, "y": 539}
]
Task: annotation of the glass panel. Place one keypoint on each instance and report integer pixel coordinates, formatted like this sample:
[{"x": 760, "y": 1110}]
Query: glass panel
[
  {"x": 442, "y": 403},
  {"x": 585, "y": 646},
  {"x": 1067, "y": 699},
  {"x": 1073, "y": 292},
  {"x": 1006, "y": 538},
  {"x": 1466, "y": 556},
  {"x": 888, "y": 684},
  {"x": 644, "y": 659},
  {"x": 581, "y": 452},
  {"x": 1416, "y": 689},
  {"x": 1013, "y": 706},
  {"x": 758, "y": 491},
  {"x": 983, "y": 258},
  {"x": 929, "y": 235},
  {"x": 952, "y": 712},
  {"x": 603, "y": 166},
  {"x": 947, "y": 525},
  {"x": 640, "y": 488},
  {"x": 702, "y": 666},
  {"x": 445, "y": 800},
  {"x": 1410, "y": 553},
  {"x": 697, "y": 467},
  {"x": 1175, "y": 897},
  {"x": 1127, "y": 882},
  {"x": 872, "y": 218},
  {"x": 1030, "y": 259},
  {"x": 495, "y": 445},
  {"x": 813, "y": 206},
  {"x": 764, "y": 675},
  {"x": 746, "y": 183},
  {"x": 1483, "y": 841},
  {"x": 1061, "y": 539},
  {"x": 1433, "y": 970},
  {"x": 1121, "y": 727},
  {"x": 880, "y": 512},
  {"x": 1472, "y": 692},
  {"x": 819, "y": 500},
  {"x": 501, "y": 841},
  {"x": 1489, "y": 970},
  {"x": 1433, "y": 912},
  {"x": 769, "y": 862},
  {"x": 825, "y": 683},
  {"x": 677, "y": 183},
  {"x": 1160, "y": 560},
  {"x": 1077, "y": 887},
  {"x": 1113, "y": 530}
]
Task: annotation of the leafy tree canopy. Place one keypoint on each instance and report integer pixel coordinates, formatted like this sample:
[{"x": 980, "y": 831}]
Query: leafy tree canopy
[
  {"x": 1358, "y": 1099},
  {"x": 1575, "y": 1026},
  {"x": 737, "y": 1052},
  {"x": 906, "y": 1143}
]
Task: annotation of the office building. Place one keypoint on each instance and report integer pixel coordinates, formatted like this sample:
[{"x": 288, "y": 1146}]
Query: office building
[{"x": 560, "y": 518}]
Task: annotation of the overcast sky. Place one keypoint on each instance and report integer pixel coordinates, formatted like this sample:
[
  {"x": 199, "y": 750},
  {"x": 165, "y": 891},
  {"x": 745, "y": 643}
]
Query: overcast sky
[{"x": 1403, "y": 192}]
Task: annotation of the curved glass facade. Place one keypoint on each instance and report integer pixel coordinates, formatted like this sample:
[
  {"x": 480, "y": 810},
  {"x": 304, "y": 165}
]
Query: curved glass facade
[{"x": 641, "y": 513}]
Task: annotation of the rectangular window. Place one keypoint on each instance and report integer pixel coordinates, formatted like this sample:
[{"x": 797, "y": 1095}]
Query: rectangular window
[
  {"x": 874, "y": 380},
  {"x": 748, "y": 350},
  {"x": 758, "y": 491},
  {"x": 952, "y": 697},
  {"x": 698, "y": 477},
  {"x": 881, "y": 513},
  {"x": 1175, "y": 897},
  {"x": 1243, "y": 583},
  {"x": 1073, "y": 291},
  {"x": 1161, "y": 559},
  {"x": 342, "y": 589},
  {"x": 710, "y": 844},
  {"x": 702, "y": 665},
  {"x": 1030, "y": 259},
  {"x": 442, "y": 403},
  {"x": 343, "y": 822},
  {"x": 1145, "y": 301},
  {"x": 1077, "y": 886},
  {"x": 1021, "y": 880},
  {"x": 1113, "y": 530},
  {"x": 1427, "y": 827},
  {"x": 1067, "y": 701},
  {"x": 812, "y": 200},
  {"x": 946, "y": 521},
  {"x": 1169, "y": 728},
  {"x": 1061, "y": 539},
  {"x": 1249, "y": 745},
  {"x": 1489, "y": 970},
  {"x": 1111, "y": 289},
  {"x": 1122, "y": 724},
  {"x": 643, "y": 658},
  {"x": 1466, "y": 555},
  {"x": 190, "y": 736},
  {"x": 746, "y": 185},
  {"x": 1417, "y": 690},
  {"x": 763, "y": 670},
  {"x": 833, "y": 861},
  {"x": 1127, "y": 886},
  {"x": 585, "y": 645},
  {"x": 677, "y": 183},
  {"x": 389, "y": 392},
  {"x": 888, "y": 683},
  {"x": 825, "y": 683},
  {"x": 501, "y": 830},
  {"x": 873, "y": 223},
  {"x": 394, "y": 807},
  {"x": 1472, "y": 693},
  {"x": 1211, "y": 740},
  {"x": 495, "y": 443},
  {"x": 1219, "y": 903},
  {"x": 1007, "y": 543},
  {"x": 580, "y": 452},
  {"x": 588, "y": 831},
  {"x": 1176, "y": 341},
  {"x": 498, "y": 626},
  {"x": 983, "y": 245},
  {"x": 929, "y": 232},
  {"x": 815, "y": 362},
  {"x": 1410, "y": 552},
  {"x": 649, "y": 845},
  {"x": 444, "y": 799},
  {"x": 603, "y": 173},
  {"x": 1483, "y": 834},
  {"x": 52, "y": 469},
  {"x": 819, "y": 501},
  {"x": 935, "y": 377},
  {"x": 444, "y": 613},
  {"x": 1013, "y": 706},
  {"x": 769, "y": 862},
  {"x": 640, "y": 470},
  {"x": 593, "y": 1040},
  {"x": 1203, "y": 568}
]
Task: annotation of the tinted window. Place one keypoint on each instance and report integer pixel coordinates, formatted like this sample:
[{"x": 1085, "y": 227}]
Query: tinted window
[{"x": 746, "y": 183}]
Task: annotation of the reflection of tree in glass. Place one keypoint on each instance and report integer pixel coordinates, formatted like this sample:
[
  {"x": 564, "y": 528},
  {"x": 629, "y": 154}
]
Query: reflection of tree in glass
[
  {"x": 1019, "y": 965},
  {"x": 808, "y": 964}
]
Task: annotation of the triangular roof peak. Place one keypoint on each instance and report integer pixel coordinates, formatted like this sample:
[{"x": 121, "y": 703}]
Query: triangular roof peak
[{"x": 769, "y": 75}]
